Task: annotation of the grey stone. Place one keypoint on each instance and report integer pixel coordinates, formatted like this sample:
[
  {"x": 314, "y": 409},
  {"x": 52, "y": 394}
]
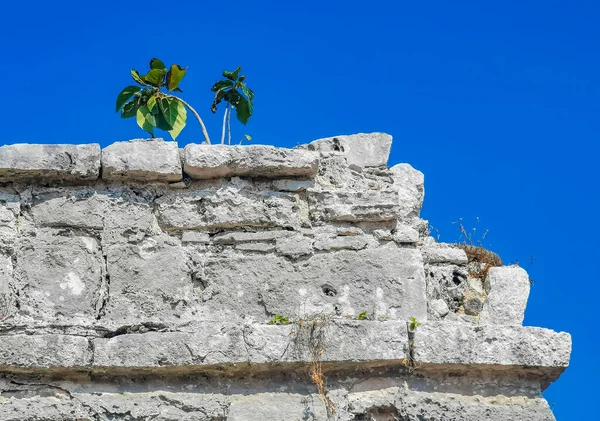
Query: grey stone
[
  {"x": 295, "y": 246},
  {"x": 142, "y": 160},
  {"x": 292, "y": 185},
  {"x": 49, "y": 162},
  {"x": 386, "y": 282},
  {"x": 195, "y": 237},
  {"x": 385, "y": 235},
  {"x": 243, "y": 237},
  {"x": 473, "y": 306},
  {"x": 340, "y": 243},
  {"x": 230, "y": 207},
  {"x": 411, "y": 192},
  {"x": 405, "y": 235},
  {"x": 491, "y": 345},
  {"x": 443, "y": 253},
  {"x": 31, "y": 352},
  {"x": 363, "y": 149},
  {"x": 217, "y": 161},
  {"x": 59, "y": 275},
  {"x": 508, "y": 291},
  {"x": 351, "y": 206},
  {"x": 276, "y": 407},
  {"x": 259, "y": 247},
  {"x": 149, "y": 281},
  {"x": 448, "y": 283},
  {"x": 439, "y": 308}
]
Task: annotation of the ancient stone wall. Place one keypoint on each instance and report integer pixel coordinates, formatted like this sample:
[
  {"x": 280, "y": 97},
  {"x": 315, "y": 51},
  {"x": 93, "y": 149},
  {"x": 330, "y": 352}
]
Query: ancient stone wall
[{"x": 148, "y": 282}]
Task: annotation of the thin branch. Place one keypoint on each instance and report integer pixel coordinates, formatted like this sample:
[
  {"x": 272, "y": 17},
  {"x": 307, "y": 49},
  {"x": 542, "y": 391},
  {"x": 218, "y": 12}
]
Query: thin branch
[
  {"x": 229, "y": 124},
  {"x": 206, "y": 138},
  {"x": 224, "y": 120}
]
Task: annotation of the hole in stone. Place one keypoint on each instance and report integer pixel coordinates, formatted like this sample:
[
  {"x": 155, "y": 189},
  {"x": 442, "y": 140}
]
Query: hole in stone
[
  {"x": 457, "y": 278},
  {"x": 329, "y": 290},
  {"x": 338, "y": 310},
  {"x": 336, "y": 145}
]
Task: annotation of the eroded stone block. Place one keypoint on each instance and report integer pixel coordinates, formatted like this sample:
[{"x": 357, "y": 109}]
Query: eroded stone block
[
  {"x": 49, "y": 162},
  {"x": 507, "y": 291},
  {"x": 362, "y": 150},
  {"x": 142, "y": 160}
]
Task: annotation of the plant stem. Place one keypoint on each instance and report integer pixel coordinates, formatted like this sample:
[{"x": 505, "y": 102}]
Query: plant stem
[
  {"x": 206, "y": 138},
  {"x": 229, "y": 125},
  {"x": 224, "y": 120}
]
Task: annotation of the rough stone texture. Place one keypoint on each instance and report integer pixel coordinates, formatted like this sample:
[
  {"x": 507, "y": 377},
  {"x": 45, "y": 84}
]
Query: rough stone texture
[
  {"x": 216, "y": 161},
  {"x": 361, "y": 150},
  {"x": 507, "y": 293},
  {"x": 128, "y": 298},
  {"x": 142, "y": 160},
  {"x": 49, "y": 162}
]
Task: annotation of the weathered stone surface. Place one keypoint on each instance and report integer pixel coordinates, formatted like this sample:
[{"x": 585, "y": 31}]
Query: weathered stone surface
[
  {"x": 294, "y": 246},
  {"x": 243, "y": 237},
  {"x": 340, "y": 243},
  {"x": 43, "y": 352},
  {"x": 491, "y": 345},
  {"x": 276, "y": 407},
  {"x": 230, "y": 207},
  {"x": 142, "y": 160},
  {"x": 404, "y": 234},
  {"x": 195, "y": 237},
  {"x": 150, "y": 281},
  {"x": 59, "y": 275},
  {"x": 438, "y": 308},
  {"x": 216, "y": 161},
  {"x": 443, "y": 253},
  {"x": 385, "y": 282},
  {"x": 411, "y": 192},
  {"x": 49, "y": 162},
  {"x": 362, "y": 150},
  {"x": 351, "y": 206},
  {"x": 508, "y": 291}
]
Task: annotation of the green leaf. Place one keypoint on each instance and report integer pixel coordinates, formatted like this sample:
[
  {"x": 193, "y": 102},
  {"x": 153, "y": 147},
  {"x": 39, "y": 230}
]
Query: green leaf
[
  {"x": 174, "y": 76},
  {"x": 146, "y": 120},
  {"x": 232, "y": 75},
  {"x": 130, "y": 109},
  {"x": 218, "y": 98},
  {"x": 248, "y": 92},
  {"x": 169, "y": 109},
  {"x": 161, "y": 123},
  {"x": 157, "y": 64},
  {"x": 155, "y": 77},
  {"x": 125, "y": 95},
  {"x": 242, "y": 78},
  {"x": 152, "y": 105},
  {"x": 180, "y": 119},
  {"x": 222, "y": 84},
  {"x": 136, "y": 76},
  {"x": 243, "y": 110}
]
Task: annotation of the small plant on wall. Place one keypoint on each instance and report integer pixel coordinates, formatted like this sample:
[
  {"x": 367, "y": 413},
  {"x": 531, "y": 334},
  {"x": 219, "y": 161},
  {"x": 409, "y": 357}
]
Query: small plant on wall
[
  {"x": 236, "y": 94},
  {"x": 153, "y": 102}
]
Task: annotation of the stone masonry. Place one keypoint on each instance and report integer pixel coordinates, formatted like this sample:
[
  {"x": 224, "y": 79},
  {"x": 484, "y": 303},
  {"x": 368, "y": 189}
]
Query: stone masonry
[{"x": 148, "y": 282}]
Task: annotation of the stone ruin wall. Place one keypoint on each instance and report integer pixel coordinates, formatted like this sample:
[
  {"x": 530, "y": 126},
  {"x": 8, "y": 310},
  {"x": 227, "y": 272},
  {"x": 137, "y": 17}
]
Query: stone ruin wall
[{"x": 137, "y": 282}]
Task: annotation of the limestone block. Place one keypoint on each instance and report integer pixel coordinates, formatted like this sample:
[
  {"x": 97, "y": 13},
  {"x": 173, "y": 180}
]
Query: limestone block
[
  {"x": 59, "y": 274},
  {"x": 340, "y": 243},
  {"x": 49, "y": 162},
  {"x": 508, "y": 290},
  {"x": 244, "y": 237},
  {"x": 77, "y": 209},
  {"x": 444, "y": 253},
  {"x": 213, "y": 344},
  {"x": 230, "y": 207},
  {"x": 219, "y": 161},
  {"x": 404, "y": 234},
  {"x": 362, "y": 150},
  {"x": 57, "y": 406},
  {"x": 148, "y": 281},
  {"x": 455, "y": 343},
  {"x": 195, "y": 237},
  {"x": 276, "y": 407},
  {"x": 294, "y": 246},
  {"x": 8, "y": 229},
  {"x": 142, "y": 160},
  {"x": 411, "y": 192},
  {"x": 385, "y": 282},
  {"x": 44, "y": 351},
  {"x": 353, "y": 206},
  {"x": 439, "y": 308}
]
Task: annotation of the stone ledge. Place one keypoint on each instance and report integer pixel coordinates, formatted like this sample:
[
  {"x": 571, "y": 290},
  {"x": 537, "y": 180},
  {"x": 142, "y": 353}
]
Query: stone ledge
[
  {"x": 142, "y": 160},
  {"x": 445, "y": 345},
  {"x": 217, "y": 161},
  {"x": 49, "y": 162}
]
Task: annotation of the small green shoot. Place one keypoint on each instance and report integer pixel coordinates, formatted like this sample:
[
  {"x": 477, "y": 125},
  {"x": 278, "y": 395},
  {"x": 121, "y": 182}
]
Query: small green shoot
[
  {"x": 413, "y": 324},
  {"x": 362, "y": 316},
  {"x": 278, "y": 319}
]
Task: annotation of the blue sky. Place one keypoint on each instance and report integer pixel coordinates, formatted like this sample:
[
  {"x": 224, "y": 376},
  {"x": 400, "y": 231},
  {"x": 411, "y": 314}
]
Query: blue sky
[{"x": 496, "y": 102}]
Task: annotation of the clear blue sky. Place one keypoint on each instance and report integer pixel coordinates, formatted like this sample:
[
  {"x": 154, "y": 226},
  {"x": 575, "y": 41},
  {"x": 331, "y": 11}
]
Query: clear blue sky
[{"x": 496, "y": 102}]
